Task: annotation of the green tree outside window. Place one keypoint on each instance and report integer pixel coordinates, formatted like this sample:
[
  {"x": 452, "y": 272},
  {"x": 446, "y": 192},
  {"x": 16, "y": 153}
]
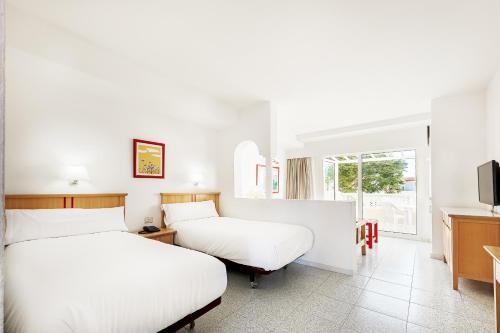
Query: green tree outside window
[{"x": 378, "y": 176}]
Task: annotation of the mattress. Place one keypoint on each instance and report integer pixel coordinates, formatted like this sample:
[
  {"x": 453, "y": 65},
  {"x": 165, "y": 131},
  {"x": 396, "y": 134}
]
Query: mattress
[
  {"x": 105, "y": 282},
  {"x": 265, "y": 245}
]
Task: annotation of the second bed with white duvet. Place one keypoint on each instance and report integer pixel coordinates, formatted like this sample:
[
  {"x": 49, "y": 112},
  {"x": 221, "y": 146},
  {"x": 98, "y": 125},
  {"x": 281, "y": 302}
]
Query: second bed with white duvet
[{"x": 265, "y": 245}]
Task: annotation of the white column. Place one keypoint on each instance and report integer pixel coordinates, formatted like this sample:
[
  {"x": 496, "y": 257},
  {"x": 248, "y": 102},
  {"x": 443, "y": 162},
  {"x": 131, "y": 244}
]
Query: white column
[
  {"x": 360, "y": 186},
  {"x": 318, "y": 190}
]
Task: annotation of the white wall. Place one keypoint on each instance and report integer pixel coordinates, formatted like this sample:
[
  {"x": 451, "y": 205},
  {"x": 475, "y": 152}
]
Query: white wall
[
  {"x": 2, "y": 156},
  {"x": 414, "y": 137},
  {"x": 458, "y": 147},
  {"x": 254, "y": 124},
  {"x": 493, "y": 118},
  {"x": 58, "y": 114},
  {"x": 332, "y": 222}
]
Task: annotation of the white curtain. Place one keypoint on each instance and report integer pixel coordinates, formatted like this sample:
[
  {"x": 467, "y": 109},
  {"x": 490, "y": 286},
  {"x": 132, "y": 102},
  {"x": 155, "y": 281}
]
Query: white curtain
[{"x": 299, "y": 178}]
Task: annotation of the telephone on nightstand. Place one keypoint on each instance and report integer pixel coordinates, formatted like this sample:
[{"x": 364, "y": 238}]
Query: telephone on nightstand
[{"x": 150, "y": 228}]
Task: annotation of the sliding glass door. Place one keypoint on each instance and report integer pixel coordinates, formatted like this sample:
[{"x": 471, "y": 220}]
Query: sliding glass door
[
  {"x": 340, "y": 175},
  {"x": 387, "y": 190},
  {"x": 390, "y": 190}
]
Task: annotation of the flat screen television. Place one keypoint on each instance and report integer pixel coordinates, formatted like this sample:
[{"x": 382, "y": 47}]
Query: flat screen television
[{"x": 488, "y": 181}]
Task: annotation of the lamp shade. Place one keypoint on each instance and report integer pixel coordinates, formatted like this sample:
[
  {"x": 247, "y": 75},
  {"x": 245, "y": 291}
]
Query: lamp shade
[{"x": 76, "y": 173}]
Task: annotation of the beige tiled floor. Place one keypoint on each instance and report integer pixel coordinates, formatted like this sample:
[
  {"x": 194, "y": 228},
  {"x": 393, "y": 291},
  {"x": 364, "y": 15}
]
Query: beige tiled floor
[{"x": 398, "y": 288}]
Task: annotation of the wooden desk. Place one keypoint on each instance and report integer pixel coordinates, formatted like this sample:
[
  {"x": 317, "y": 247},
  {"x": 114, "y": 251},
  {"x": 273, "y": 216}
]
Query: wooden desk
[
  {"x": 494, "y": 251},
  {"x": 465, "y": 232}
]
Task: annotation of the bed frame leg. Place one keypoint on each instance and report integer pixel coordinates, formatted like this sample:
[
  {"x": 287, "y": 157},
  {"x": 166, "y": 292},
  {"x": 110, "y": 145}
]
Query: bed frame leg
[
  {"x": 253, "y": 284},
  {"x": 191, "y": 325}
]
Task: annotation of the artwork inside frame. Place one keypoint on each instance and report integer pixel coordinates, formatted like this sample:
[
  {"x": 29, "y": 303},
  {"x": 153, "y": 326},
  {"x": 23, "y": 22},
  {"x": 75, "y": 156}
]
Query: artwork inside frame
[
  {"x": 149, "y": 159},
  {"x": 260, "y": 177},
  {"x": 276, "y": 179}
]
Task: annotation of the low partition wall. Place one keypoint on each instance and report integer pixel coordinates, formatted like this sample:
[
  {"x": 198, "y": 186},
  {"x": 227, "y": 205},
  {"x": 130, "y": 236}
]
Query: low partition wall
[{"x": 332, "y": 222}]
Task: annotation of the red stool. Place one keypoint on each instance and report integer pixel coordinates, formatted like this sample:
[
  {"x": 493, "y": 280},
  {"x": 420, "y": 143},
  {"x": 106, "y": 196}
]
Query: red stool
[{"x": 372, "y": 234}]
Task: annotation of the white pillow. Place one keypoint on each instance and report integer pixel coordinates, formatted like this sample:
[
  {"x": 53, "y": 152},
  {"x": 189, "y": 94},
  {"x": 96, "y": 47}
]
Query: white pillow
[
  {"x": 177, "y": 212},
  {"x": 29, "y": 224}
]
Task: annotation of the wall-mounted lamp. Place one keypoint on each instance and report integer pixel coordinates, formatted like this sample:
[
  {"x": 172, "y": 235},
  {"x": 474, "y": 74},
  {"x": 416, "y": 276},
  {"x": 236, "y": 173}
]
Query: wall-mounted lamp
[
  {"x": 196, "y": 179},
  {"x": 76, "y": 173}
]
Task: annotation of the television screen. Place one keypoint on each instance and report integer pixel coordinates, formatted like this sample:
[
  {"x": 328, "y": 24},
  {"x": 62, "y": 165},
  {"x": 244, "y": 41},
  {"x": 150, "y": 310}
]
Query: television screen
[{"x": 487, "y": 181}]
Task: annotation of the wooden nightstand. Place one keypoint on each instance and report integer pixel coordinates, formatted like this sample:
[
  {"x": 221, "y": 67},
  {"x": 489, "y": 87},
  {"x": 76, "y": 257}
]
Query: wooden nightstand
[{"x": 165, "y": 235}]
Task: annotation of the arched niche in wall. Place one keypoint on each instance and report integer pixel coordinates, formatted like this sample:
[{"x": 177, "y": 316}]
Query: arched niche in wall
[{"x": 249, "y": 171}]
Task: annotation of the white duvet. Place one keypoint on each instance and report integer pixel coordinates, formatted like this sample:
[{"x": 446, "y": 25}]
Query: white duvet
[
  {"x": 105, "y": 282},
  {"x": 266, "y": 245}
]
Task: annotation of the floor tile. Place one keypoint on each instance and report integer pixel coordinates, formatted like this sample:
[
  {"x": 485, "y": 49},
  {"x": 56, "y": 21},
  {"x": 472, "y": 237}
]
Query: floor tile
[
  {"x": 482, "y": 326},
  {"x": 389, "y": 289},
  {"x": 270, "y": 311},
  {"x": 479, "y": 311},
  {"x": 453, "y": 304},
  {"x": 400, "y": 266},
  {"x": 432, "y": 282},
  {"x": 384, "y": 304},
  {"x": 363, "y": 320},
  {"x": 289, "y": 290},
  {"x": 238, "y": 323},
  {"x": 339, "y": 291},
  {"x": 326, "y": 308},
  {"x": 204, "y": 324},
  {"x": 476, "y": 291},
  {"x": 357, "y": 280},
  {"x": 412, "y": 328},
  {"x": 393, "y": 277},
  {"x": 365, "y": 271},
  {"x": 397, "y": 288},
  {"x": 428, "y": 267},
  {"x": 200, "y": 328},
  {"x": 307, "y": 282},
  {"x": 438, "y": 320},
  {"x": 302, "y": 321}
]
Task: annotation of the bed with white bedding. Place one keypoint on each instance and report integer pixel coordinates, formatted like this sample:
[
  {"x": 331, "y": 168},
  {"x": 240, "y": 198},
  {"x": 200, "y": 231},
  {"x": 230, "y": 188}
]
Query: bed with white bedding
[
  {"x": 105, "y": 282},
  {"x": 256, "y": 246},
  {"x": 265, "y": 245},
  {"x": 67, "y": 273}
]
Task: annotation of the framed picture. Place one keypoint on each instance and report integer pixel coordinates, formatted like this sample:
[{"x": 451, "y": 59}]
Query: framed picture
[
  {"x": 149, "y": 159},
  {"x": 261, "y": 176}
]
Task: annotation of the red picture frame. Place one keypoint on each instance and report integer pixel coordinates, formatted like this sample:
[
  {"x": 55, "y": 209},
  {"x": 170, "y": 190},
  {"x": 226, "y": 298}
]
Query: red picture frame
[
  {"x": 152, "y": 170},
  {"x": 264, "y": 167}
]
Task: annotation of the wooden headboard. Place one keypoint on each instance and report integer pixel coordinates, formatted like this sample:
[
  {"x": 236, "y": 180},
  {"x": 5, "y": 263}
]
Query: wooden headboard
[
  {"x": 44, "y": 201},
  {"x": 188, "y": 197}
]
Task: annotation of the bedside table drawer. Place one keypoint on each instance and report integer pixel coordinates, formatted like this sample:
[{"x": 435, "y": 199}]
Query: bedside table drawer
[
  {"x": 168, "y": 239},
  {"x": 165, "y": 235}
]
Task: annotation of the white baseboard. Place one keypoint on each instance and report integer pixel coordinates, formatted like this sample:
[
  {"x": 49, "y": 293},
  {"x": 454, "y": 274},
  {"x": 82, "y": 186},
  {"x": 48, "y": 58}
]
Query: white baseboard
[
  {"x": 325, "y": 267},
  {"x": 437, "y": 256}
]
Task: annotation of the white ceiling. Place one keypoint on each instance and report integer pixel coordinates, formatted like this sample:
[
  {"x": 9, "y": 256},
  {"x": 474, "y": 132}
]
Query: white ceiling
[{"x": 324, "y": 64}]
